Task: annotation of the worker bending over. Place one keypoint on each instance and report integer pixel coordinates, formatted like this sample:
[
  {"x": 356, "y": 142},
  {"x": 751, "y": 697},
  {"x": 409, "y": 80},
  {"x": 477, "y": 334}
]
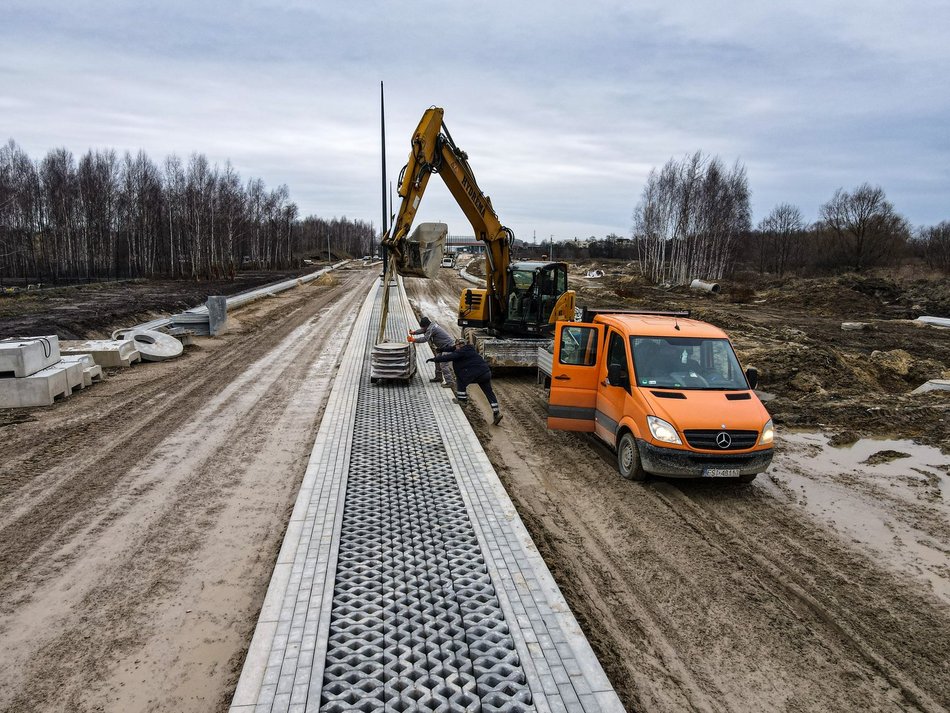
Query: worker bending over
[
  {"x": 440, "y": 341},
  {"x": 470, "y": 368}
]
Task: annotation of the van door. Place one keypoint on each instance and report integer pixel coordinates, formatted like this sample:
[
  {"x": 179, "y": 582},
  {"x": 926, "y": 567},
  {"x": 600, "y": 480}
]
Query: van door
[
  {"x": 574, "y": 375},
  {"x": 614, "y": 375}
]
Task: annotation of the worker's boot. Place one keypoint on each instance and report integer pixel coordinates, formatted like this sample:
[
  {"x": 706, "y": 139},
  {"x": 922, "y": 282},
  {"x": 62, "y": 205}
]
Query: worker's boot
[
  {"x": 448, "y": 385},
  {"x": 436, "y": 379},
  {"x": 497, "y": 418}
]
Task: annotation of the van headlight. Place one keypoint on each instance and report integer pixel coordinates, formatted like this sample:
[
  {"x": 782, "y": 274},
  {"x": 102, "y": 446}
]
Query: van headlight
[
  {"x": 663, "y": 431},
  {"x": 768, "y": 434}
]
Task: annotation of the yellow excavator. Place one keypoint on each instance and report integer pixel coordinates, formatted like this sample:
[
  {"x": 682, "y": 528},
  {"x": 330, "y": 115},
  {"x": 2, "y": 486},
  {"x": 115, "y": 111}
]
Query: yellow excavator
[{"x": 521, "y": 301}]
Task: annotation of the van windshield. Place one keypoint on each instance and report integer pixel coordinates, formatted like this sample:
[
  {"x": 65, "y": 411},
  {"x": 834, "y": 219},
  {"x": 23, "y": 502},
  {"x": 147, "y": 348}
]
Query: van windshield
[{"x": 686, "y": 363}]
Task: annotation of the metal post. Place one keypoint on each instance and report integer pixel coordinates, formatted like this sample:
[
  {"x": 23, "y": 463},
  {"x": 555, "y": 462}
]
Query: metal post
[{"x": 382, "y": 129}]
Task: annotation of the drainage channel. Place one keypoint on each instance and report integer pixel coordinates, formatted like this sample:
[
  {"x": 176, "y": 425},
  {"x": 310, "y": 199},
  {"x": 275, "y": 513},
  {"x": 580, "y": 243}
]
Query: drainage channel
[{"x": 406, "y": 581}]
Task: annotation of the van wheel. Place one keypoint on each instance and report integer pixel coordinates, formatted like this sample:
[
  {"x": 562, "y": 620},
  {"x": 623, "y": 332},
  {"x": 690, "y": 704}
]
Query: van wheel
[
  {"x": 628, "y": 459},
  {"x": 747, "y": 478}
]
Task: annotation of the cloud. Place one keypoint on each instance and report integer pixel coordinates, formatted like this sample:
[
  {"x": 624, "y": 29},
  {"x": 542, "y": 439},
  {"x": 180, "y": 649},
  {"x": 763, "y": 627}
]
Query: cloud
[{"x": 563, "y": 112}]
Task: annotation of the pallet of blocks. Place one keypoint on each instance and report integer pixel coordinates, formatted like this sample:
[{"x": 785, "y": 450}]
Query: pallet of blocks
[{"x": 33, "y": 373}]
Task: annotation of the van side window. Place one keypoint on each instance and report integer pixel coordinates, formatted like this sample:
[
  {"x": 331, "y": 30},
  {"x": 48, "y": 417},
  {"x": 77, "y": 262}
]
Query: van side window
[
  {"x": 578, "y": 346},
  {"x": 617, "y": 352}
]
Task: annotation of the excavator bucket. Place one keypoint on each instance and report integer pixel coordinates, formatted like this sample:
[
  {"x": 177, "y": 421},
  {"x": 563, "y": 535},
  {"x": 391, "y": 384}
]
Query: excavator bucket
[{"x": 421, "y": 252}]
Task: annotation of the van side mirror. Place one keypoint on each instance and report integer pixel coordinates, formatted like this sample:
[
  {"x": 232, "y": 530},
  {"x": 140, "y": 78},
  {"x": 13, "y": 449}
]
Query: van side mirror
[
  {"x": 752, "y": 374},
  {"x": 616, "y": 376}
]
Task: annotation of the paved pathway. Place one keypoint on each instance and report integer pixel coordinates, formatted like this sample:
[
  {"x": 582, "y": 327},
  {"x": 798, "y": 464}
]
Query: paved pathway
[{"x": 407, "y": 581}]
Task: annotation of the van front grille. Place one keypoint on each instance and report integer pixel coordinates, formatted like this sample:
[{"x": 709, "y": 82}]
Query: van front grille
[{"x": 711, "y": 440}]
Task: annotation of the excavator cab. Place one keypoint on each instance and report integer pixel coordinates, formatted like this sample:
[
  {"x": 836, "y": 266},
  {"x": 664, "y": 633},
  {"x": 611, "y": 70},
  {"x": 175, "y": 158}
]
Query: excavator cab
[{"x": 534, "y": 289}]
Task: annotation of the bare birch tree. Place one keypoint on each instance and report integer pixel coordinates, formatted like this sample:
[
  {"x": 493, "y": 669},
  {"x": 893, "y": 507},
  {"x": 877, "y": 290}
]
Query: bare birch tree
[
  {"x": 689, "y": 218},
  {"x": 110, "y": 217}
]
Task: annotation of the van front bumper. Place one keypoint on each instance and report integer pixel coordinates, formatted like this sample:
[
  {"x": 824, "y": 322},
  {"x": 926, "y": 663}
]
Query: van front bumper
[{"x": 679, "y": 463}]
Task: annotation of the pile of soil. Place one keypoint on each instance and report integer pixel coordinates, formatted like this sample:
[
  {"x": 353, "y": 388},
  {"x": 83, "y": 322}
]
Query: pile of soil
[{"x": 821, "y": 375}]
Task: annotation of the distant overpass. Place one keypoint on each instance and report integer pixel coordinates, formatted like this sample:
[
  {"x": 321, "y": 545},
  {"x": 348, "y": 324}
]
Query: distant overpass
[{"x": 463, "y": 243}]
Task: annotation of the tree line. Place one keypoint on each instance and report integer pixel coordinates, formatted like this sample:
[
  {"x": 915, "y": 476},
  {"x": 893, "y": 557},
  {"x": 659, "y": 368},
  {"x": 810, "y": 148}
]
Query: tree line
[
  {"x": 693, "y": 220},
  {"x": 106, "y": 216}
]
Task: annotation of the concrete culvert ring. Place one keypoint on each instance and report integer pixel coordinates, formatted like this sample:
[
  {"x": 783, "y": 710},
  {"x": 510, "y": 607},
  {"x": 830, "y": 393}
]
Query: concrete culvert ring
[
  {"x": 703, "y": 286},
  {"x": 154, "y": 345}
]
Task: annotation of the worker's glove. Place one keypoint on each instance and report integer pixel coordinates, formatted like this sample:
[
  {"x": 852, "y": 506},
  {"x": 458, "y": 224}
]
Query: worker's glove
[{"x": 411, "y": 338}]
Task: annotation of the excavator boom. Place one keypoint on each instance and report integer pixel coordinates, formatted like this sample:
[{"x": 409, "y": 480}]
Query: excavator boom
[
  {"x": 434, "y": 151},
  {"x": 522, "y": 299}
]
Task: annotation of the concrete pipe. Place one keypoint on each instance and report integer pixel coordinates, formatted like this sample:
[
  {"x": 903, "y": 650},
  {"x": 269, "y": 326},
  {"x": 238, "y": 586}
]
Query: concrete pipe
[{"x": 704, "y": 286}]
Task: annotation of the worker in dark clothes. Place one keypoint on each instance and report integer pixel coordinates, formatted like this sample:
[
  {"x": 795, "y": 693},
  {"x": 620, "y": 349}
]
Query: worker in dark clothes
[
  {"x": 440, "y": 341},
  {"x": 470, "y": 368}
]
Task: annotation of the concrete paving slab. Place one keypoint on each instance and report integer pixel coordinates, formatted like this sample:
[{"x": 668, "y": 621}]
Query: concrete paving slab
[{"x": 413, "y": 585}]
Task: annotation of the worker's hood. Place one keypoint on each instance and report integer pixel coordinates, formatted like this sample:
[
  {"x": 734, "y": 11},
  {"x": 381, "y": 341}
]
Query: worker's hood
[{"x": 734, "y": 410}]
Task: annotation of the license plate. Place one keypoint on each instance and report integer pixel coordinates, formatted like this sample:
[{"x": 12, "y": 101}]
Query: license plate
[{"x": 721, "y": 473}]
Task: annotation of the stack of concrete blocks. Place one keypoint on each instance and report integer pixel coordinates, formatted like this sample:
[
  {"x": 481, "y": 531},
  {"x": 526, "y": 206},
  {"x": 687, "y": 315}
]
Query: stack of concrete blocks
[
  {"x": 105, "y": 352},
  {"x": 33, "y": 373}
]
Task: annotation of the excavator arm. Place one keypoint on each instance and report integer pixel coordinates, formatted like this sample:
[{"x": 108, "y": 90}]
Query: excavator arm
[{"x": 434, "y": 151}]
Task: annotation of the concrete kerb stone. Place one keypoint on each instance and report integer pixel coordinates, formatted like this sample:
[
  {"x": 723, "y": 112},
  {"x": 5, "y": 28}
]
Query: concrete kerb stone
[{"x": 314, "y": 523}]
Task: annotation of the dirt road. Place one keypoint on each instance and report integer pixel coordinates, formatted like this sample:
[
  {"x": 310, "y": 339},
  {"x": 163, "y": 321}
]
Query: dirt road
[
  {"x": 141, "y": 518},
  {"x": 720, "y": 597}
]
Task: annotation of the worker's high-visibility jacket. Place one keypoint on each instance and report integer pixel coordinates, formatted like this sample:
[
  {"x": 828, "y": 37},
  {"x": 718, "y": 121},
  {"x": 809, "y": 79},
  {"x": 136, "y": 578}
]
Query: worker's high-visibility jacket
[{"x": 468, "y": 363}]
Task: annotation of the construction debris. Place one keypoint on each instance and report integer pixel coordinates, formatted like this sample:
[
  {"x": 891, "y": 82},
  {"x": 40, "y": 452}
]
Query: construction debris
[{"x": 933, "y": 385}]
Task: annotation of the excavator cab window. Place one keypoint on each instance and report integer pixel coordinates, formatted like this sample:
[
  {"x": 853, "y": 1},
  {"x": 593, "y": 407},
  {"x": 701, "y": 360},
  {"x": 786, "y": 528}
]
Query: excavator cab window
[
  {"x": 552, "y": 283},
  {"x": 532, "y": 294},
  {"x": 522, "y": 306}
]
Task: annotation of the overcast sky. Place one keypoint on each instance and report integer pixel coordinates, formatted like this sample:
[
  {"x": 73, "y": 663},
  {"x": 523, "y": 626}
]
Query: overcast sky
[{"x": 563, "y": 108}]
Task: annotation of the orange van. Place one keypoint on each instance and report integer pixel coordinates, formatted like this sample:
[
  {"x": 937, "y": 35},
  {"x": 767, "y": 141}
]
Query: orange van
[{"x": 664, "y": 391}]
